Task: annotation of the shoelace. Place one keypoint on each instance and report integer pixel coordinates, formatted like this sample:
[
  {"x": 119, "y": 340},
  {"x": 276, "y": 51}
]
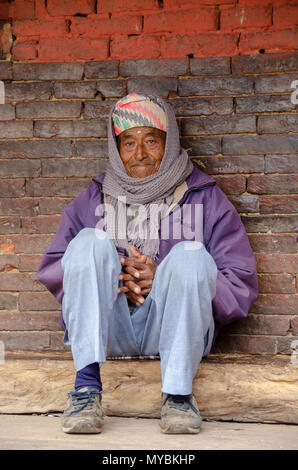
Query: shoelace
[
  {"x": 181, "y": 402},
  {"x": 81, "y": 400}
]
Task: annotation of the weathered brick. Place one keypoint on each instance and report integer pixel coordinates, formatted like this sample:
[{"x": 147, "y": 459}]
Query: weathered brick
[
  {"x": 28, "y": 243},
  {"x": 275, "y": 223},
  {"x": 16, "y": 282},
  {"x": 111, "y": 88},
  {"x": 40, "y": 224},
  {"x": 54, "y": 205},
  {"x": 17, "y": 206},
  {"x": 245, "y": 203},
  {"x": 265, "y": 63},
  {"x": 17, "y": 10},
  {"x": 37, "y": 301},
  {"x": 278, "y": 123},
  {"x": 261, "y": 325},
  {"x": 75, "y": 89},
  {"x": 272, "y": 184},
  {"x": 101, "y": 69},
  {"x": 92, "y": 148},
  {"x": 12, "y": 188},
  {"x": 97, "y": 109},
  {"x": 281, "y": 163},
  {"x": 9, "y": 262},
  {"x": 25, "y": 341},
  {"x": 259, "y": 144},
  {"x": 241, "y": 17},
  {"x": 28, "y": 91},
  {"x": 294, "y": 325},
  {"x": 241, "y": 164},
  {"x": 215, "y": 86},
  {"x": 285, "y": 15},
  {"x": 7, "y": 112},
  {"x": 19, "y": 168},
  {"x": 104, "y": 25},
  {"x": 135, "y": 47},
  {"x": 276, "y": 304},
  {"x": 274, "y": 83},
  {"x": 48, "y": 71},
  {"x": 231, "y": 184},
  {"x": 199, "y": 45},
  {"x": 76, "y": 167},
  {"x": 218, "y": 125},
  {"x": 55, "y": 187},
  {"x": 5, "y": 71},
  {"x": 201, "y": 106},
  {"x": 155, "y": 86},
  {"x": 270, "y": 41},
  {"x": 277, "y": 262},
  {"x": 35, "y": 149},
  {"x": 277, "y": 283},
  {"x": 277, "y": 243},
  {"x": 278, "y": 204},
  {"x": 210, "y": 66},
  {"x": 24, "y": 50},
  {"x": 15, "y": 129},
  {"x": 40, "y": 27},
  {"x": 8, "y": 301},
  {"x": 201, "y": 146},
  {"x": 45, "y": 109},
  {"x": 183, "y": 21},
  {"x": 56, "y": 342},
  {"x": 68, "y": 129},
  {"x": 10, "y": 224},
  {"x": 106, "y": 6},
  {"x": 29, "y": 262},
  {"x": 154, "y": 67},
  {"x": 26, "y": 321},
  {"x": 72, "y": 7},
  {"x": 264, "y": 104},
  {"x": 247, "y": 344}
]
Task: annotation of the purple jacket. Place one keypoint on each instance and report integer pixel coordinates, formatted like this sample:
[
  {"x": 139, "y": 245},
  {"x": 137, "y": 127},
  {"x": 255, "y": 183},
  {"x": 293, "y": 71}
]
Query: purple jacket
[{"x": 224, "y": 237}]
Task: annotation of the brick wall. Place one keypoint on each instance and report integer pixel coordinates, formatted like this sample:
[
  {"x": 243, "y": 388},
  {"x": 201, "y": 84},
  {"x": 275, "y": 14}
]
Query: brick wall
[{"x": 236, "y": 110}]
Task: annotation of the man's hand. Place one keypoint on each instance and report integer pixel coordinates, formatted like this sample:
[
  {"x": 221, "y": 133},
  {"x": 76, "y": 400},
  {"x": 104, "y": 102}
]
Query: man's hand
[{"x": 137, "y": 274}]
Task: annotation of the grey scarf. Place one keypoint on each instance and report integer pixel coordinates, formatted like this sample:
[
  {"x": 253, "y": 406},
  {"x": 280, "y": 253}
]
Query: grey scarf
[{"x": 135, "y": 206}]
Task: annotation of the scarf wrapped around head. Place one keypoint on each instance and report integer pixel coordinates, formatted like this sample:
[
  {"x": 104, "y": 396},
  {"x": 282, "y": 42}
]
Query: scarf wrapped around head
[{"x": 138, "y": 204}]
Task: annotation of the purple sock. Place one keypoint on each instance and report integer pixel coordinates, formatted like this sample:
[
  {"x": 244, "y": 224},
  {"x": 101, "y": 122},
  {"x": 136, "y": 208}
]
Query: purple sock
[{"x": 89, "y": 376}]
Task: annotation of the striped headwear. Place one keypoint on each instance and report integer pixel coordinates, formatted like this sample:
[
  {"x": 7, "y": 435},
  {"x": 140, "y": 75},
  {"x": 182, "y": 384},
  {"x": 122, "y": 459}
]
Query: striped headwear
[{"x": 135, "y": 110}]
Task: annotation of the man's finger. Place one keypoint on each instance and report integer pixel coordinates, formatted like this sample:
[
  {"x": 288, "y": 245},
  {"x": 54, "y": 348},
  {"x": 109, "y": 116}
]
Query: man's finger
[{"x": 135, "y": 252}]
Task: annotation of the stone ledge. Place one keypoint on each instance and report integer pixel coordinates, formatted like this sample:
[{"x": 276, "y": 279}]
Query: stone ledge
[{"x": 228, "y": 387}]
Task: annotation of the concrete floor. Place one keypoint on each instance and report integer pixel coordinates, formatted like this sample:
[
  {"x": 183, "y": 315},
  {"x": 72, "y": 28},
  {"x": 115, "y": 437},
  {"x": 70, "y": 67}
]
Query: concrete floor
[{"x": 32, "y": 432}]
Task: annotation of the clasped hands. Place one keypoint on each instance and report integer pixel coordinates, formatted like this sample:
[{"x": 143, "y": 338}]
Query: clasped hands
[{"x": 137, "y": 274}]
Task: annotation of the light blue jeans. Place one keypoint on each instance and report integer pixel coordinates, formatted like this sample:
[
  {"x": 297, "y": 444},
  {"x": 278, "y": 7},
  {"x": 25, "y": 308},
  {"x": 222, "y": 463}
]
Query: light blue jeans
[{"x": 175, "y": 320}]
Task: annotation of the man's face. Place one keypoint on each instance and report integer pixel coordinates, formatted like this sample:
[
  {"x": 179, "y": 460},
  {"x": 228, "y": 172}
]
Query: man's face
[{"x": 141, "y": 150}]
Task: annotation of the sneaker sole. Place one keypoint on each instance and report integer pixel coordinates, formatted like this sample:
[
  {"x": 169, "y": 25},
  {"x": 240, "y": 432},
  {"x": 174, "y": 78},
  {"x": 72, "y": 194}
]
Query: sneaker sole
[
  {"x": 178, "y": 429},
  {"x": 79, "y": 429}
]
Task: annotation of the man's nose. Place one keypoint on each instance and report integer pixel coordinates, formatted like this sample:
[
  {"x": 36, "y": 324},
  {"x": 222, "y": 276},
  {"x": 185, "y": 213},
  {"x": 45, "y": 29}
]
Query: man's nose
[{"x": 140, "y": 152}]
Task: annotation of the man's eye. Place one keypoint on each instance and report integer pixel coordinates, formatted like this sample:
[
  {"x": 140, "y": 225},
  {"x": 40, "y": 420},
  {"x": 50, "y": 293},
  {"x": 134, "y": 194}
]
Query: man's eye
[
  {"x": 151, "y": 141},
  {"x": 128, "y": 144}
]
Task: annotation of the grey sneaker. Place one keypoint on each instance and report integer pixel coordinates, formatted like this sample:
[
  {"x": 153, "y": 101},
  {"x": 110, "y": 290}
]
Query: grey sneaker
[
  {"x": 84, "y": 412},
  {"x": 180, "y": 415}
]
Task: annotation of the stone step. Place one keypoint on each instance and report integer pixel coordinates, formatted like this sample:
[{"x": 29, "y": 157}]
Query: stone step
[{"x": 240, "y": 388}]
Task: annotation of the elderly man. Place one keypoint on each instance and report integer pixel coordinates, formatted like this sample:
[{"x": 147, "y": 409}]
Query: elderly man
[{"x": 150, "y": 259}]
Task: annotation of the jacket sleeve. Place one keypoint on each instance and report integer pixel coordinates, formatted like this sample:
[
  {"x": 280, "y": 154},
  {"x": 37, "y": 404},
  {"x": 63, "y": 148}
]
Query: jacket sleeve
[
  {"x": 50, "y": 272},
  {"x": 237, "y": 282}
]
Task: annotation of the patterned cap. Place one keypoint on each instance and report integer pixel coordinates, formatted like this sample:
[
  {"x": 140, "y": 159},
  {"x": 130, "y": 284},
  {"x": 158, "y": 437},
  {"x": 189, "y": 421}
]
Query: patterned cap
[{"x": 135, "y": 110}]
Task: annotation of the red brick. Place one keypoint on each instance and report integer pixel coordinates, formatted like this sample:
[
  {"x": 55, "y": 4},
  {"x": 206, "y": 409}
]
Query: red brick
[
  {"x": 200, "y": 45},
  {"x": 277, "y": 262},
  {"x": 277, "y": 243},
  {"x": 135, "y": 47},
  {"x": 286, "y": 15},
  {"x": 187, "y": 3},
  {"x": 28, "y": 262},
  {"x": 277, "y": 283},
  {"x": 51, "y": 27},
  {"x": 15, "y": 282},
  {"x": 71, "y": 7},
  {"x": 276, "y": 303},
  {"x": 183, "y": 21},
  {"x": 96, "y": 27},
  {"x": 40, "y": 224},
  {"x": 24, "y": 243},
  {"x": 269, "y": 41},
  {"x": 37, "y": 301},
  {"x": 31, "y": 341},
  {"x": 231, "y": 184},
  {"x": 22, "y": 10},
  {"x": 238, "y": 18},
  {"x": 24, "y": 50},
  {"x": 278, "y": 204},
  {"x": 9, "y": 262},
  {"x": 294, "y": 325},
  {"x": 17, "y": 206},
  {"x": 14, "y": 321},
  {"x": 246, "y": 344},
  {"x": 52, "y": 49},
  {"x": 261, "y": 325},
  {"x": 107, "y": 6}
]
